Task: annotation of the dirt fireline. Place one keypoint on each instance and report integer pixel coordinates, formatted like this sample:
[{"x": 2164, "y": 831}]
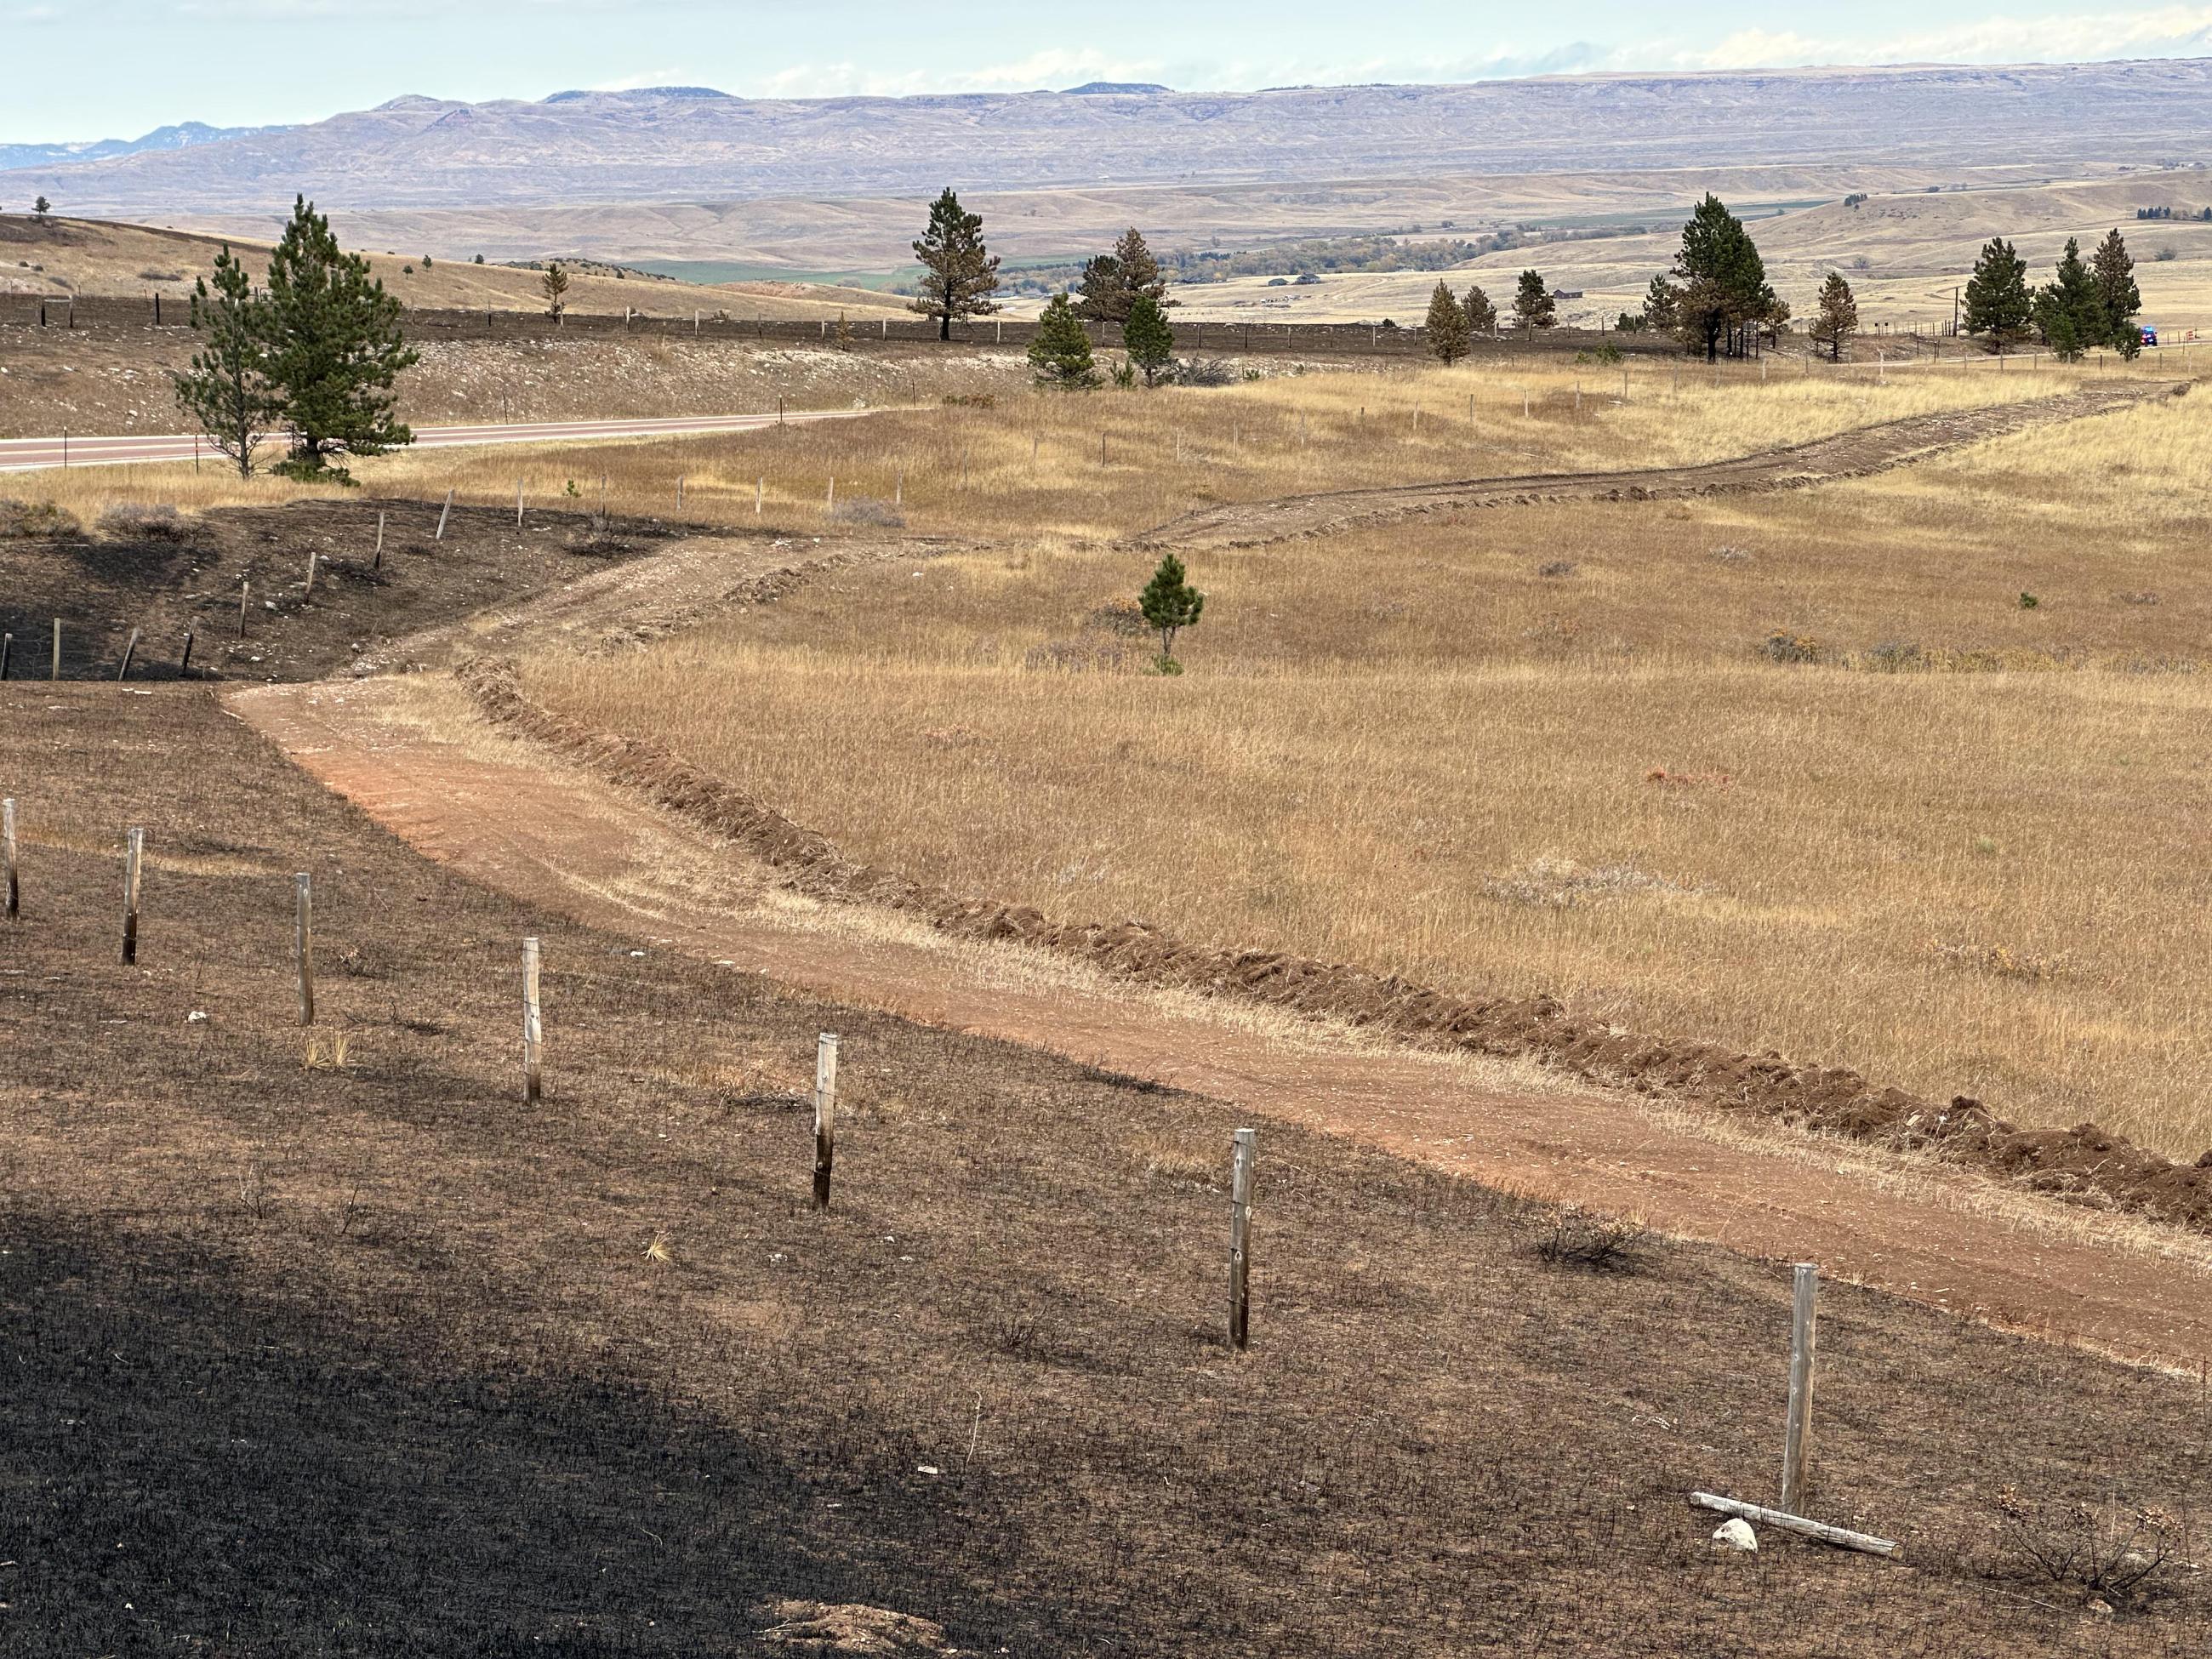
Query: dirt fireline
[{"x": 416, "y": 755}]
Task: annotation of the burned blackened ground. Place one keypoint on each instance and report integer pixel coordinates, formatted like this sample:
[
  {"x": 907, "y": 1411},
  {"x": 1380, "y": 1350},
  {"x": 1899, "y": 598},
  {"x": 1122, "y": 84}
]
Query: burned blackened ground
[{"x": 351, "y": 1352}]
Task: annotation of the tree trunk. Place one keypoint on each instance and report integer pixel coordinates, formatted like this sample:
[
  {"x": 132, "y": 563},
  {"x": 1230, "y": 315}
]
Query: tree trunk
[{"x": 944, "y": 323}]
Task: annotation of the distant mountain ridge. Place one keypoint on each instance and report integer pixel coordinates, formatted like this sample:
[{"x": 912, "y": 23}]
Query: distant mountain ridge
[
  {"x": 182, "y": 136},
  {"x": 692, "y": 144}
]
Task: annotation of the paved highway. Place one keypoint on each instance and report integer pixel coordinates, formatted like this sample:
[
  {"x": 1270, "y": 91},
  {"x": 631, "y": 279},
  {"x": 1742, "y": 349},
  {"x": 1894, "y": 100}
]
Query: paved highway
[{"x": 27, "y": 454}]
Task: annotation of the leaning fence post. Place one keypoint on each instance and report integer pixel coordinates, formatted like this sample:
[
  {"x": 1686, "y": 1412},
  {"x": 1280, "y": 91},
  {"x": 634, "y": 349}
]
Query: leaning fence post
[
  {"x": 7, "y": 650},
  {"x": 184, "y": 661},
  {"x": 303, "y": 943},
  {"x": 825, "y": 1115},
  {"x": 444, "y": 513},
  {"x": 533, "y": 1030},
  {"x": 8, "y": 857},
  {"x": 1797, "y": 1435},
  {"x": 134, "y": 851},
  {"x": 130, "y": 650},
  {"x": 377, "y": 563},
  {"x": 1240, "y": 1241}
]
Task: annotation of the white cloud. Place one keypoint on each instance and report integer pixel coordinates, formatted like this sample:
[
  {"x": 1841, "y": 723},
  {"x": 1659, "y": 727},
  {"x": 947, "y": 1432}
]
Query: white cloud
[{"x": 2157, "y": 32}]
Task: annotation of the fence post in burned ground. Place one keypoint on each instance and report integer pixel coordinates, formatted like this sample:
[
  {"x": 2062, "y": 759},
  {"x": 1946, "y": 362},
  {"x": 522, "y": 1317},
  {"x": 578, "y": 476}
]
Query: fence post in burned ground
[
  {"x": 760, "y": 492},
  {"x": 303, "y": 942},
  {"x": 7, "y": 858},
  {"x": 184, "y": 660},
  {"x": 518, "y": 505},
  {"x": 1797, "y": 1434},
  {"x": 444, "y": 513},
  {"x": 134, "y": 854},
  {"x": 130, "y": 650},
  {"x": 311, "y": 570},
  {"x": 245, "y": 589},
  {"x": 377, "y": 562},
  {"x": 825, "y": 1115},
  {"x": 533, "y": 1028},
  {"x": 54, "y": 667},
  {"x": 1240, "y": 1241}
]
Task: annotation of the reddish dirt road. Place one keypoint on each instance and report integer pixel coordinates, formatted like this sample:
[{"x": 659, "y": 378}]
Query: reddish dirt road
[{"x": 413, "y": 754}]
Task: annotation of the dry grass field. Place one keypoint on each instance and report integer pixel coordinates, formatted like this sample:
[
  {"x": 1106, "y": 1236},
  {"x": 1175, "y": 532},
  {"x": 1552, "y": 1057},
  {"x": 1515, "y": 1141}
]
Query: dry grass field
[{"x": 1800, "y": 771}]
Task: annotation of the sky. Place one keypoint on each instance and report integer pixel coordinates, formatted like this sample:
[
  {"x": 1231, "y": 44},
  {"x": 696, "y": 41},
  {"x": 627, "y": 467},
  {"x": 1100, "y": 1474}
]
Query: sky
[{"x": 115, "y": 68}]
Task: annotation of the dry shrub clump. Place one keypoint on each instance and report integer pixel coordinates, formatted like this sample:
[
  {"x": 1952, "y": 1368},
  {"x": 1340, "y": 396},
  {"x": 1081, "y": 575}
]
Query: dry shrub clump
[
  {"x": 132, "y": 521},
  {"x": 36, "y": 521},
  {"x": 1575, "y": 1237},
  {"x": 2114, "y": 1550}
]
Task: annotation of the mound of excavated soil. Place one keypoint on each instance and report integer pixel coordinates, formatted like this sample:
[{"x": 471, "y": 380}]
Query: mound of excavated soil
[{"x": 2084, "y": 1164}]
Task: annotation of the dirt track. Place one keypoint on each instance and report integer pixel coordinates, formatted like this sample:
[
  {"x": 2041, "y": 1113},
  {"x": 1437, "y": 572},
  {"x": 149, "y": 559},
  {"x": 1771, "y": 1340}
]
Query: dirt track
[
  {"x": 1845, "y": 455},
  {"x": 416, "y": 756}
]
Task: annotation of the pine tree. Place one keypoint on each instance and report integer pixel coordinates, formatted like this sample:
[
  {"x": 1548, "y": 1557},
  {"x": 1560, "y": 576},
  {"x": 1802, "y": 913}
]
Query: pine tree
[
  {"x": 555, "y": 282},
  {"x": 42, "y": 207},
  {"x": 2118, "y": 299},
  {"x": 1141, "y": 272},
  {"x": 1481, "y": 315},
  {"x": 1662, "y": 305},
  {"x": 1113, "y": 283},
  {"x": 1170, "y": 605},
  {"x": 1997, "y": 302},
  {"x": 1724, "y": 295},
  {"x": 1148, "y": 339},
  {"x": 334, "y": 350},
  {"x": 1449, "y": 336},
  {"x": 226, "y": 389},
  {"x": 959, "y": 274},
  {"x": 2068, "y": 311},
  {"x": 1060, "y": 353},
  {"x": 1837, "y": 318},
  {"x": 1533, "y": 304}
]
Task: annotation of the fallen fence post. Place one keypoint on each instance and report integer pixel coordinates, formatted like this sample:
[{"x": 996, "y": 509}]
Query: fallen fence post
[
  {"x": 533, "y": 1030},
  {"x": 1240, "y": 1241},
  {"x": 825, "y": 1115},
  {"x": 134, "y": 851},
  {"x": 8, "y": 857},
  {"x": 1842, "y": 1537},
  {"x": 1797, "y": 1433},
  {"x": 303, "y": 943}
]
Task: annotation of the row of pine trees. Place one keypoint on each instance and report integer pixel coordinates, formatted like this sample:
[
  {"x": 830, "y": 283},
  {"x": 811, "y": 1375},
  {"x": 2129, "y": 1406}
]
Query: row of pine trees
[{"x": 2085, "y": 305}]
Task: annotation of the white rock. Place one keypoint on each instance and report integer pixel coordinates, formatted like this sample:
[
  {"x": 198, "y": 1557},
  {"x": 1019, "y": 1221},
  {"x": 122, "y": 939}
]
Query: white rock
[{"x": 1735, "y": 1534}]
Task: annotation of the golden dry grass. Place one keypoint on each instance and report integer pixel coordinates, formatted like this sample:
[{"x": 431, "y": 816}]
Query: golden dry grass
[
  {"x": 1408, "y": 748},
  {"x": 1029, "y": 465}
]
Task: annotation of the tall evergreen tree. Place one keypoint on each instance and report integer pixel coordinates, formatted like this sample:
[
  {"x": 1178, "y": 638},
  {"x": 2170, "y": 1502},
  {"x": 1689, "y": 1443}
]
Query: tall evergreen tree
[
  {"x": 226, "y": 388},
  {"x": 1112, "y": 282},
  {"x": 1998, "y": 305},
  {"x": 335, "y": 349},
  {"x": 1448, "y": 333},
  {"x": 555, "y": 283},
  {"x": 1148, "y": 339},
  {"x": 2113, "y": 270},
  {"x": 1481, "y": 314},
  {"x": 1060, "y": 354},
  {"x": 2068, "y": 314},
  {"x": 1837, "y": 318},
  {"x": 1533, "y": 304},
  {"x": 1105, "y": 295},
  {"x": 1724, "y": 294},
  {"x": 958, "y": 273}
]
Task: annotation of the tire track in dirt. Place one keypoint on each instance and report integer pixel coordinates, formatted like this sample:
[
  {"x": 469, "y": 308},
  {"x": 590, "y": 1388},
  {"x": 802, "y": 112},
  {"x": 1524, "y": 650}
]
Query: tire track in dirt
[{"x": 1854, "y": 454}]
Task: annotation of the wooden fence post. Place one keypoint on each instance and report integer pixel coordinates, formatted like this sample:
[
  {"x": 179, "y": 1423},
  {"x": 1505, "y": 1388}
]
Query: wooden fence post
[
  {"x": 134, "y": 853},
  {"x": 518, "y": 506},
  {"x": 825, "y": 1115},
  {"x": 244, "y": 588},
  {"x": 444, "y": 513},
  {"x": 7, "y": 650},
  {"x": 377, "y": 563},
  {"x": 54, "y": 670},
  {"x": 1797, "y": 1436},
  {"x": 8, "y": 857},
  {"x": 533, "y": 1028},
  {"x": 311, "y": 570},
  {"x": 303, "y": 943},
  {"x": 1240, "y": 1241},
  {"x": 829, "y": 501},
  {"x": 184, "y": 662},
  {"x": 130, "y": 650},
  {"x": 760, "y": 489}
]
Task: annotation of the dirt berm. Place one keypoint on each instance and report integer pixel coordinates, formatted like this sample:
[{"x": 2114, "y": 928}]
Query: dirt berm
[{"x": 2084, "y": 1164}]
